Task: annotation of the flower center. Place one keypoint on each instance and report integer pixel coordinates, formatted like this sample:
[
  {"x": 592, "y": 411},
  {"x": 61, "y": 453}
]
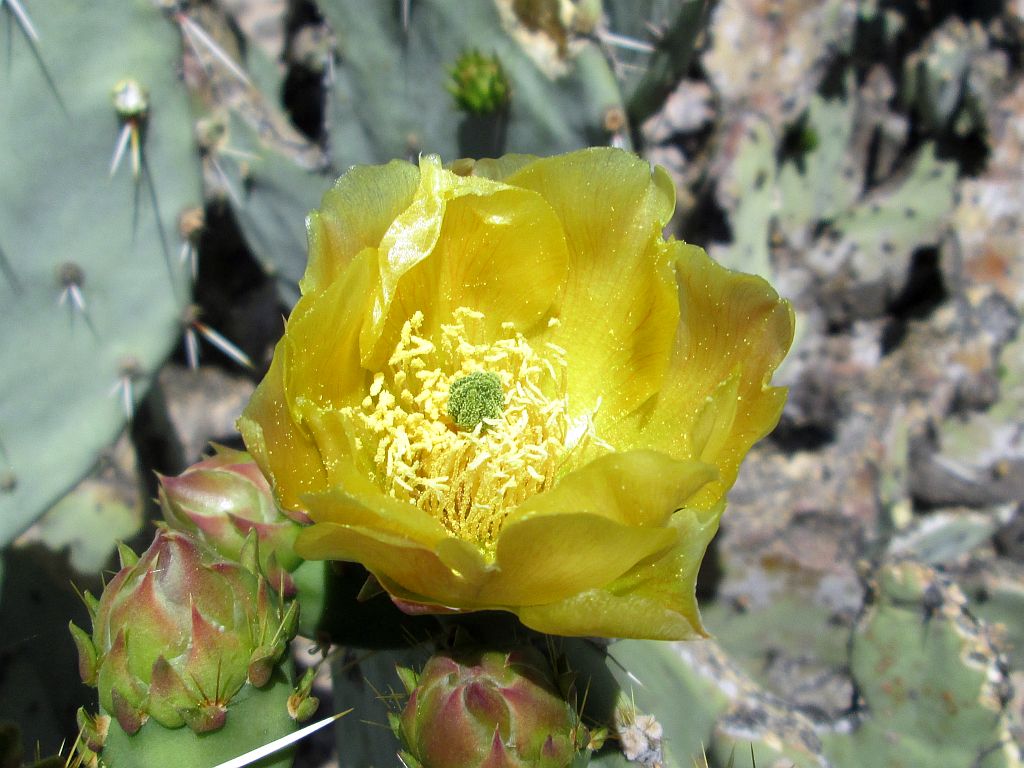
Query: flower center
[
  {"x": 475, "y": 398},
  {"x": 469, "y": 428}
]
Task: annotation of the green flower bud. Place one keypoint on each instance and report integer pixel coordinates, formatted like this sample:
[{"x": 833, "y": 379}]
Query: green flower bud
[
  {"x": 479, "y": 84},
  {"x": 179, "y": 632},
  {"x": 224, "y": 498},
  {"x": 488, "y": 709}
]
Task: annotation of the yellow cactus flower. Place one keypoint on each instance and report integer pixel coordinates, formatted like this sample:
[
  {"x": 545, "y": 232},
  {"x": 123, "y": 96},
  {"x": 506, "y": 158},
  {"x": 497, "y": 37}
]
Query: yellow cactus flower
[{"x": 503, "y": 389}]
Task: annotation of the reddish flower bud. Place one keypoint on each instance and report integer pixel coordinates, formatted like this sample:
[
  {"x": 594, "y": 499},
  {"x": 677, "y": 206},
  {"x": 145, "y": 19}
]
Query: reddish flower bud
[{"x": 487, "y": 710}]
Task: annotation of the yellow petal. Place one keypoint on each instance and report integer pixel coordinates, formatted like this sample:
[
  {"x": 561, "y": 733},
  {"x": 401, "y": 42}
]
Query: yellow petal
[
  {"x": 619, "y": 309},
  {"x": 656, "y": 600},
  {"x": 715, "y": 418},
  {"x": 323, "y": 338},
  {"x": 465, "y": 241},
  {"x": 406, "y": 562},
  {"x": 638, "y": 488},
  {"x": 716, "y": 401},
  {"x": 360, "y": 503},
  {"x": 354, "y": 215},
  {"x": 541, "y": 559},
  {"x": 285, "y": 453},
  {"x": 356, "y": 501},
  {"x": 411, "y": 237},
  {"x": 591, "y": 528},
  {"x": 271, "y": 424}
]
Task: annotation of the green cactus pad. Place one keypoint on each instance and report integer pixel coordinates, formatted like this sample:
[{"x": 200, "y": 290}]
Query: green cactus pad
[
  {"x": 91, "y": 289},
  {"x": 933, "y": 685},
  {"x": 810, "y": 188},
  {"x": 398, "y": 78},
  {"x": 894, "y": 220},
  {"x": 256, "y": 719},
  {"x": 749, "y": 189},
  {"x": 647, "y": 678}
]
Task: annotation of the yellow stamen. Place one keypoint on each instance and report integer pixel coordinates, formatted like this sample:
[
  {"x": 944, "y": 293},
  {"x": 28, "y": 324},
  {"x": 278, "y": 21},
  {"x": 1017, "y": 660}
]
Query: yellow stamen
[{"x": 469, "y": 478}]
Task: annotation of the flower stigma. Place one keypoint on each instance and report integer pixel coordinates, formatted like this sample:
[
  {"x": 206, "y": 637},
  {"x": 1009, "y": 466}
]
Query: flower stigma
[
  {"x": 470, "y": 427},
  {"x": 475, "y": 398}
]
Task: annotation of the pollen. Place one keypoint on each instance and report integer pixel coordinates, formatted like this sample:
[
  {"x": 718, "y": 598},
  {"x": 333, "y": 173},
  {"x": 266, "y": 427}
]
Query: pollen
[{"x": 468, "y": 428}]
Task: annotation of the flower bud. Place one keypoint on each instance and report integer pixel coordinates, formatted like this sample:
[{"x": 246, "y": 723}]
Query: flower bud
[
  {"x": 221, "y": 500},
  {"x": 479, "y": 84},
  {"x": 489, "y": 709},
  {"x": 178, "y": 632}
]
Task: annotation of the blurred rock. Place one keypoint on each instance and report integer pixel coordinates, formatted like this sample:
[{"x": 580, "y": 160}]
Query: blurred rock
[{"x": 202, "y": 406}]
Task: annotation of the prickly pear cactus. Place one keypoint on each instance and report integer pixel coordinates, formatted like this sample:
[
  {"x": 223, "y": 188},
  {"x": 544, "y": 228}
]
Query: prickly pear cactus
[
  {"x": 274, "y": 195},
  {"x": 871, "y": 244},
  {"x": 748, "y": 187},
  {"x": 858, "y": 245},
  {"x": 808, "y": 191},
  {"x": 96, "y": 163},
  {"x": 952, "y": 79},
  {"x": 633, "y": 682},
  {"x": 650, "y": 44},
  {"x": 934, "y": 687},
  {"x": 832, "y": 146}
]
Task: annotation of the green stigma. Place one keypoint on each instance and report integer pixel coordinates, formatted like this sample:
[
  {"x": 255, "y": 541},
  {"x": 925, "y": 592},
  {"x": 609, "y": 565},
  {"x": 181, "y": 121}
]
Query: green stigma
[{"x": 475, "y": 397}]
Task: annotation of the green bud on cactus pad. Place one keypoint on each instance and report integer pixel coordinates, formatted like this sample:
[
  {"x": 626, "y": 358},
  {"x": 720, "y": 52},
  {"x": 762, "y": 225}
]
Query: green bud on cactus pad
[
  {"x": 479, "y": 84},
  {"x": 178, "y": 634},
  {"x": 492, "y": 709},
  {"x": 220, "y": 500}
]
